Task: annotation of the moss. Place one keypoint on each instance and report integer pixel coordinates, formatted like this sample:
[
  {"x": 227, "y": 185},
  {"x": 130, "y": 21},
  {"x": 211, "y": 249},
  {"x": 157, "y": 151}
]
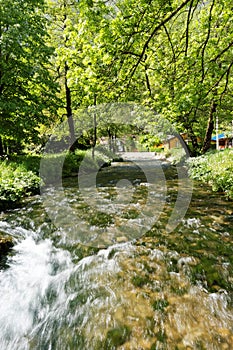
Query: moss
[
  {"x": 130, "y": 214},
  {"x": 161, "y": 336},
  {"x": 178, "y": 290},
  {"x": 160, "y": 304},
  {"x": 140, "y": 281},
  {"x": 200, "y": 346},
  {"x": 148, "y": 268},
  {"x": 101, "y": 219},
  {"x": 172, "y": 265},
  {"x": 112, "y": 253},
  {"x": 116, "y": 337},
  {"x": 208, "y": 272}
]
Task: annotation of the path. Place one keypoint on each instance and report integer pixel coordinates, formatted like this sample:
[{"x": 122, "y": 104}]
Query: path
[{"x": 141, "y": 156}]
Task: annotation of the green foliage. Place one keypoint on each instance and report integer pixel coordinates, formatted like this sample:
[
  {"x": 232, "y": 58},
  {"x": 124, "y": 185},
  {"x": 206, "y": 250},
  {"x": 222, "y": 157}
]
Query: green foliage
[
  {"x": 215, "y": 168},
  {"x": 19, "y": 177},
  {"x": 27, "y": 89},
  {"x": 139, "y": 281},
  {"x": 208, "y": 272},
  {"x": 175, "y": 58},
  {"x": 16, "y": 182},
  {"x": 29, "y": 162},
  {"x": 70, "y": 164},
  {"x": 150, "y": 141}
]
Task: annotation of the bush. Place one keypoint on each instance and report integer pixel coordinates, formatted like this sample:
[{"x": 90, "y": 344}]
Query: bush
[
  {"x": 29, "y": 162},
  {"x": 16, "y": 182},
  {"x": 176, "y": 156},
  {"x": 216, "y": 169},
  {"x": 150, "y": 142}
]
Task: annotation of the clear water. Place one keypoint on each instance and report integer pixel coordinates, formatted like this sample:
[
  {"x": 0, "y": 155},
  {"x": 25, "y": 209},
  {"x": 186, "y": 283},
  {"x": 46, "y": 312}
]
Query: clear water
[{"x": 162, "y": 290}]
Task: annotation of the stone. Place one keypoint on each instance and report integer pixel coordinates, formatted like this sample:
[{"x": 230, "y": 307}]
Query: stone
[{"x": 6, "y": 243}]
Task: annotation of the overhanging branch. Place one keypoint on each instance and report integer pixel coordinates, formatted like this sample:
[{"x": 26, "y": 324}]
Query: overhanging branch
[{"x": 155, "y": 30}]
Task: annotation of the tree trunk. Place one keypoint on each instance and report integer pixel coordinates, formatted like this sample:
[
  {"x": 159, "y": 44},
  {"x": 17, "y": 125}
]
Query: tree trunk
[
  {"x": 193, "y": 151},
  {"x": 69, "y": 111},
  {"x": 94, "y": 131},
  {"x": 1, "y": 147},
  {"x": 109, "y": 138},
  {"x": 195, "y": 147},
  {"x": 210, "y": 127}
]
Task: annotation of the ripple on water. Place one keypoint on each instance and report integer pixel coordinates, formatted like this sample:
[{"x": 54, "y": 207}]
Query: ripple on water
[{"x": 162, "y": 291}]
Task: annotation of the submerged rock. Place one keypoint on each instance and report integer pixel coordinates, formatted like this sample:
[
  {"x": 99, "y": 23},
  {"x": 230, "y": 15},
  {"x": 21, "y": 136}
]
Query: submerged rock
[{"x": 6, "y": 243}]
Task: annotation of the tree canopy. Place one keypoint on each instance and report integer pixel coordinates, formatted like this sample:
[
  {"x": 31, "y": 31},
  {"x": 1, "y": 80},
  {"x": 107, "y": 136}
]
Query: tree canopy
[
  {"x": 174, "y": 56},
  {"x": 27, "y": 88}
]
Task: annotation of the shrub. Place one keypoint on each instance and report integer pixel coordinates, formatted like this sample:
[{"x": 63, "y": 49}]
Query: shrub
[
  {"x": 216, "y": 169},
  {"x": 16, "y": 182}
]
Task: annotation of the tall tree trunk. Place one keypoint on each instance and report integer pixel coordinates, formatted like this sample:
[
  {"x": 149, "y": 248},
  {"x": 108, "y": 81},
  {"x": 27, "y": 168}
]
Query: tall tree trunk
[
  {"x": 1, "y": 147},
  {"x": 94, "y": 131},
  {"x": 69, "y": 111},
  {"x": 210, "y": 127}
]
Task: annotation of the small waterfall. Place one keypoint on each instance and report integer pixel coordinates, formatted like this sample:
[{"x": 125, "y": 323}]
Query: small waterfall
[
  {"x": 25, "y": 285},
  {"x": 47, "y": 301}
]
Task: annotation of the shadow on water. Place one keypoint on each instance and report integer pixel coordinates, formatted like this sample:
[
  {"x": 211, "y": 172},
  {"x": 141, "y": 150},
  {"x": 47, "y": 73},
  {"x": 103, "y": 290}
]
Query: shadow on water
[{"x": 159, "y": 291}]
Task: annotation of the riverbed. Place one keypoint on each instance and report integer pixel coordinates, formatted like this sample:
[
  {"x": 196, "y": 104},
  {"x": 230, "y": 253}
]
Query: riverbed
[{"x": 115, "y": 273}]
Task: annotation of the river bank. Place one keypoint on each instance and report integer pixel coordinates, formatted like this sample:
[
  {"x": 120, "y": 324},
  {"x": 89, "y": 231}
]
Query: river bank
[
  {"x": 215, "y": 169},
  {"x": 19, "y": 176}
]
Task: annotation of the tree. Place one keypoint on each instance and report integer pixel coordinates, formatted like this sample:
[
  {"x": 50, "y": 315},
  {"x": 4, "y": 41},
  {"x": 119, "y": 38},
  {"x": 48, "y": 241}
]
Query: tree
[
  {"x": 189, "y": 67},
  {"x": 27, "y": 90},
  {"x": 174, "y": 56},
  {"x": 63, "y": 15}
]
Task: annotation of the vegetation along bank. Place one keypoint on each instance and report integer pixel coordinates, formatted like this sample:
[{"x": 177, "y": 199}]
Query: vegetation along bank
[
  {"x": 216, "y": 169},
  {"x": 19, "y": 177}
]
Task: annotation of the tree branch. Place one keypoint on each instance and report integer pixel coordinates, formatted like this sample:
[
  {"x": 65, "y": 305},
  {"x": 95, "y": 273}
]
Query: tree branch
[
  {"x": 227, "y": 72},
  {"x": 222, "y": 52},
  {"x": 155, "y": 30},
  {"x": 206, "y": 42},
  {"x": 187, "y": 29},
  {"x": 227, "y": 79}
]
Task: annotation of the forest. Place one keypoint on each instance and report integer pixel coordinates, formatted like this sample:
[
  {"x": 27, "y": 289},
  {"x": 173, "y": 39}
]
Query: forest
[
  {"x": 108, "y": 239},
  {"x": 58, "y": 57}
]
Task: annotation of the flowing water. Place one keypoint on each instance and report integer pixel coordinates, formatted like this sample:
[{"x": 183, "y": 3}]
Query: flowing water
[{"x": 154, "y": 290}]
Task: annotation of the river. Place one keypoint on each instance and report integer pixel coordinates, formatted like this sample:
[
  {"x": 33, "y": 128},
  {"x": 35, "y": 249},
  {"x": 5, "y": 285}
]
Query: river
[{"x": 116, "y": 277}]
